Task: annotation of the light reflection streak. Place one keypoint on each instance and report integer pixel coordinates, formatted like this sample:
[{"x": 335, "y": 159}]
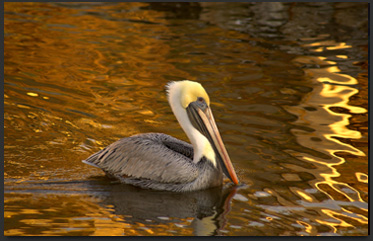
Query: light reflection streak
[
  {"x": 361, "y": 177},
  {"x": 334, "y": 225},
  {"x": 341, "y": 56},
  {"x": 328, "y": 180},
  {"x": 32, "y": 94},
  {"x": 308, "y": 227},
  {"x": 341, "y": 223},
  {"x": 305, "y": 196},
  {"x": 329, "y": 44},
  {"x": 362, "y": 219},
  {"x": 332, "y": 90}
]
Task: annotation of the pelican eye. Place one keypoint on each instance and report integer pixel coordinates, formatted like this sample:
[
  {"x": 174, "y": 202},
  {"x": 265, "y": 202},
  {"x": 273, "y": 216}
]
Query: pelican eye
[{"x": 200, "y": 103}]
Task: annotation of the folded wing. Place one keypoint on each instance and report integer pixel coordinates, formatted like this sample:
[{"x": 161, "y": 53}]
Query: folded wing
[{"x": 153, "y": 156}]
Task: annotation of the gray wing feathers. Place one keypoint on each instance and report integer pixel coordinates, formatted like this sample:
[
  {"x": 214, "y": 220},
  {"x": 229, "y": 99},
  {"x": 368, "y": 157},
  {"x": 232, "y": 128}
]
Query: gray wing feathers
[
  {"x": 90, "y": 163},
  {"x": 153, "y": 156}
]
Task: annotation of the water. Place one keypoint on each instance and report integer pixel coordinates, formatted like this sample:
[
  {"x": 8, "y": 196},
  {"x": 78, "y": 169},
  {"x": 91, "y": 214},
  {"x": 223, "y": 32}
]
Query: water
[{"x": 288, "y": 84}]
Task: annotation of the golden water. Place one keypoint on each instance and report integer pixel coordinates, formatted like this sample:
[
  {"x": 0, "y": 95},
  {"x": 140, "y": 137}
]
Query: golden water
[{"x": 293, "y": 116}]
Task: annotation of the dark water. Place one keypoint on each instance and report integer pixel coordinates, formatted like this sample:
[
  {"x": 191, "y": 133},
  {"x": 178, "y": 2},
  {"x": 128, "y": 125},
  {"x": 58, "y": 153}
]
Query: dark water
[{"x": 289, "y": 89}]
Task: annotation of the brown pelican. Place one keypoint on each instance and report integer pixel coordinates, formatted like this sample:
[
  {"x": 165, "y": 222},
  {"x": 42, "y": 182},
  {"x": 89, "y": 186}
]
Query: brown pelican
[{"x": 162, "y": 162}]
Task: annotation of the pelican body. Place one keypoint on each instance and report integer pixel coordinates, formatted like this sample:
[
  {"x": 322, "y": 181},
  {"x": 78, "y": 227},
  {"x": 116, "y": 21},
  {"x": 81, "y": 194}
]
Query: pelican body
[{"x": 162, "y": 162}]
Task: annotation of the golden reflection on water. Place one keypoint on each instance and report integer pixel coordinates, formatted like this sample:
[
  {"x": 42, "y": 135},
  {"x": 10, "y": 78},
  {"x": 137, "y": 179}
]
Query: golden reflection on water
[
  {"x": 93, "y": 221},
  {"x": 332, "y": 91},
  {"x": 79, "y": 79},
  {"x": 328, "y": 45},
  {"x": 362, "y": 177}
]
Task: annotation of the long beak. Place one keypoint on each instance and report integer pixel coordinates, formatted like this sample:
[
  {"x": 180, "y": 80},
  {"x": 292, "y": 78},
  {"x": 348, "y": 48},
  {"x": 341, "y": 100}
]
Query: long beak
[{"x": 203, "y": 120}]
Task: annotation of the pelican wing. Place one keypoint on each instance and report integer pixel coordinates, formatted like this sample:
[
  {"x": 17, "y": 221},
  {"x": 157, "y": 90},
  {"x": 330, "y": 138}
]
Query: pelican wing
[{"x": 153, "y": 156}]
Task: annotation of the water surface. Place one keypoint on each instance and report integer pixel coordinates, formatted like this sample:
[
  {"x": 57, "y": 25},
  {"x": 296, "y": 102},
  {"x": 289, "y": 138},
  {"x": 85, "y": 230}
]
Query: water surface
[{"x": 288, "y": 84}]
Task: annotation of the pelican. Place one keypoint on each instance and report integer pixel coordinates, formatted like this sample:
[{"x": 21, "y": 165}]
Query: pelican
[{"x": 162, "y": 162}]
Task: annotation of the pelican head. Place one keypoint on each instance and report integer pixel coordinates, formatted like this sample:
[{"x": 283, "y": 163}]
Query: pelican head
[{"x": 191, "y": 106}]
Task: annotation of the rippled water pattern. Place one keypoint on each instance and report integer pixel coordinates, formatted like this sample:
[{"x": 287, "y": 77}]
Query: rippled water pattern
[{"x": 289, "y": 89}]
